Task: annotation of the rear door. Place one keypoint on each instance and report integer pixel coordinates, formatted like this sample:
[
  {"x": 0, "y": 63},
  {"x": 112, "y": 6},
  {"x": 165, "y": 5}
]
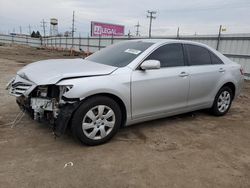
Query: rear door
[
  {"x": 161, "y": 90},
  {"x": 205, "y": 70}
]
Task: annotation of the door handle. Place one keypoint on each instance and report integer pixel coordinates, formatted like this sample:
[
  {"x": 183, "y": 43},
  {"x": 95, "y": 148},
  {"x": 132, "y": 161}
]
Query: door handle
[
  {"x": 221, "y": 70},
  {"x": 183, "y": 74}
]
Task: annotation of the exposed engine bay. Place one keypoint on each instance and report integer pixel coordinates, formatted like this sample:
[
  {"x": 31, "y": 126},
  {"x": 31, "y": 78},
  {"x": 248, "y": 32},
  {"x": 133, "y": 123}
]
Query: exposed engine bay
[{"x": 44, "y": 103}]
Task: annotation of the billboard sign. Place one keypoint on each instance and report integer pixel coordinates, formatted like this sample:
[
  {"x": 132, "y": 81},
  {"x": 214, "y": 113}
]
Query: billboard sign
[{"x": 105, "y": 29}]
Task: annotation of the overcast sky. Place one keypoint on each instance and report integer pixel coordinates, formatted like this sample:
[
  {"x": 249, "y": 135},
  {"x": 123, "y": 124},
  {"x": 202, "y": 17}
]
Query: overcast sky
[{"x": 195, "y": 16}]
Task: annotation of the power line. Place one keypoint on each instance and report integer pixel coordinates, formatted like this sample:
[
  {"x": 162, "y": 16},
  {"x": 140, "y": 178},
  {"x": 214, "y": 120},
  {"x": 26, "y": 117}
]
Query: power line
[
  {"x": 44, "y": 27},
  {"x": 137, "y": 29},
  {"x": 150, "y": 16}
]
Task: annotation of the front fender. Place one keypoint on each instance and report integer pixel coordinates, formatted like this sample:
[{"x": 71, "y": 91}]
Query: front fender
[{"x": 118, "y": 85}]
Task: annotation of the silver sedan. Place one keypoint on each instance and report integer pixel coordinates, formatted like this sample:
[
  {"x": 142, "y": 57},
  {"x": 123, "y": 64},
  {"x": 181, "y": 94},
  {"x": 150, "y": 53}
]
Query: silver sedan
[{"x": 126, "y": 83}]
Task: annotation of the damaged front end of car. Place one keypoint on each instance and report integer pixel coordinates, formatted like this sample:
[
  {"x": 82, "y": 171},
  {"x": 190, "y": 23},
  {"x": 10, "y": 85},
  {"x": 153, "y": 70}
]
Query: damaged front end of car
[{"x": 44, "y": 102}]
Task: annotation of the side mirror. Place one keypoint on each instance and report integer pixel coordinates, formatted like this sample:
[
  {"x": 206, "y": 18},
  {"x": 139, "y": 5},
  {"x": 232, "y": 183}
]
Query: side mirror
[{"x": 150, "y": 64}]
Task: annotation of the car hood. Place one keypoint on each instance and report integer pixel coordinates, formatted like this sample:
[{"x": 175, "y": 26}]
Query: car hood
[{"x": 53, "y": 70}]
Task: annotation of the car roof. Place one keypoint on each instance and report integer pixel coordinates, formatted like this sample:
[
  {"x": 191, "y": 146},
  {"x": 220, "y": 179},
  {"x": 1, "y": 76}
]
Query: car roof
[{"x": 162, "y": 41}]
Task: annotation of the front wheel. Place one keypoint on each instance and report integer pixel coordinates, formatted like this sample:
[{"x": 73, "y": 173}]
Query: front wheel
[
  {"x": 222, "y": 101},
  {"x": 96, "y": 121}
]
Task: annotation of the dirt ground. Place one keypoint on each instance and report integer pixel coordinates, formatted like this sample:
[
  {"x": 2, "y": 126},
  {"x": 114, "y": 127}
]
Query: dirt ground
[{"x": 190, "y": 150}]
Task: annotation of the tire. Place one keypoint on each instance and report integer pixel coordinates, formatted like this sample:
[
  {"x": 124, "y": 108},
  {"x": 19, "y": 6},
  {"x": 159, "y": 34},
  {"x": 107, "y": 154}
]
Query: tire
[
  {"x": 96, "y": 121},
  {"x": 223, "y": 97}
]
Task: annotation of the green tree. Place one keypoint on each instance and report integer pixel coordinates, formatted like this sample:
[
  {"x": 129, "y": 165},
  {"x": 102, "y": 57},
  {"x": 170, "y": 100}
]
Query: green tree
[
  {"x": 33, "y": 34},
  {"x": 38, "y": 35}
]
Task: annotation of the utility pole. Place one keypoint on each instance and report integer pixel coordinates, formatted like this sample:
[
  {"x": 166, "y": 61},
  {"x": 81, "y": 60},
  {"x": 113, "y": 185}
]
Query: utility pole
[
  {"x": 44, "y": 27},
  {"x": 73, "y": 24},
  {"x": 20, "y": 27},
  {"x": 150, "y": 16},
  {"x": 178, "y": 33},
  {"x": 137, "y": 29},
  {"x": 73, "y": 28},
  {"x": 29, "y": 29},
  {"x": 129, "y": 34},
  {"x": 218, "y": 40}
]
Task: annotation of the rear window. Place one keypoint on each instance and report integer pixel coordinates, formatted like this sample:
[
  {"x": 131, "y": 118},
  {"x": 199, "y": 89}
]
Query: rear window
[
  {"x": 198, "y": 55},
  {"x": 120, "y": 54},
  {"x": 215, "y": 59}
]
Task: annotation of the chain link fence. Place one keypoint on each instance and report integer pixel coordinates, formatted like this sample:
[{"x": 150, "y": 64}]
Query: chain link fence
[{"x": 234, "y": 46}]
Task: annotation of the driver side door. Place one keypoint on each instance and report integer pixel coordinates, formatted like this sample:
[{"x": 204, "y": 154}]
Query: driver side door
[{"x": 164, "y": 90}]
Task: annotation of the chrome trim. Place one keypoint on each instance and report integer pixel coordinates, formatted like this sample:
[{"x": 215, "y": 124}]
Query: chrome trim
[{"x": 19, "y": 86}]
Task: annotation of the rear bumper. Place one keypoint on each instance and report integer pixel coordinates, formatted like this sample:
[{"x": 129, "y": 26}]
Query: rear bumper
[{"x": 239, "y": 86}]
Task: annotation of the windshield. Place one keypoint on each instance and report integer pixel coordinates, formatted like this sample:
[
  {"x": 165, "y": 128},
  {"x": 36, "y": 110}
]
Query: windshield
[{"x": 120, "y": 54}]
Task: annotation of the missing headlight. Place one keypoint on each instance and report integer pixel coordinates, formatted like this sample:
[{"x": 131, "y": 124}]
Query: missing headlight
[
  {"x": 42, "y": 91},
  {"x": 66, "y": 88}
]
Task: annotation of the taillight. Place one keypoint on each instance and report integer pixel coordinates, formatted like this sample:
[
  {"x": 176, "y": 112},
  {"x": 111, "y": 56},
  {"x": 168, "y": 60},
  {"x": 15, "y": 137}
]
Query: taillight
[{"x": 241, "y": 71}]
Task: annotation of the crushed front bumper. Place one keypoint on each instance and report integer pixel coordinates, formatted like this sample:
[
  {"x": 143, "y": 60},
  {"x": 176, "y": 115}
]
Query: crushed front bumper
[
  {"x": 43, "y": 103},
  {"x": 60, "y": 123}
]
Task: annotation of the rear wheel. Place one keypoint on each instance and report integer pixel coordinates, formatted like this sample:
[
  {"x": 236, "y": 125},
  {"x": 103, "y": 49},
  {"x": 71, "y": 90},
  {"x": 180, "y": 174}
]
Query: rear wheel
[
  {"x": 96, "y": 121},
  {"x": 222, "y": 101}
]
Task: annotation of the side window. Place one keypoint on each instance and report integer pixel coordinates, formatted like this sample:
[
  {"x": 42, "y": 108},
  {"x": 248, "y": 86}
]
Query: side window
[
  {"x": 170, "y": 55},
  {"x": 198, "y": 55},
  {"x": 215, "y": 59}
]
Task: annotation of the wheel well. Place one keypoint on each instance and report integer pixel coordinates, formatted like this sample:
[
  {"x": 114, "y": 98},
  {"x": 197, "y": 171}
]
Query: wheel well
[
  {"x": 231, "y": 86},
  {"x": 116, "y": 99}
]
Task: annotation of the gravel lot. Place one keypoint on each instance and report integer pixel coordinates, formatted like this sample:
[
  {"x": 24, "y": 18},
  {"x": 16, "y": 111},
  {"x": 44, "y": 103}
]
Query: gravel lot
[{"x": 190, "y": 150}]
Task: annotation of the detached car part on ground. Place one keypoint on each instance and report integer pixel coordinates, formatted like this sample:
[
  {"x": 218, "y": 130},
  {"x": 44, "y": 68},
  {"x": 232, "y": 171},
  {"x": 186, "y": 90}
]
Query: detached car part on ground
[{"x": 126, "y": 83}]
